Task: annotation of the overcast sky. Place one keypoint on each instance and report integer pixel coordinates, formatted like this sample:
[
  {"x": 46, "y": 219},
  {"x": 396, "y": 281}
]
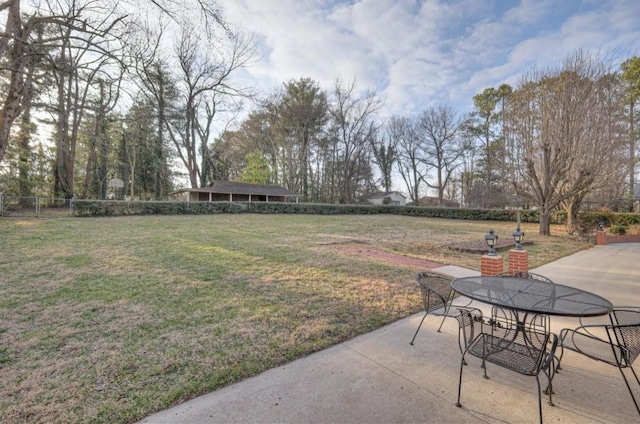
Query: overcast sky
[{"x": 418, "y": 54}]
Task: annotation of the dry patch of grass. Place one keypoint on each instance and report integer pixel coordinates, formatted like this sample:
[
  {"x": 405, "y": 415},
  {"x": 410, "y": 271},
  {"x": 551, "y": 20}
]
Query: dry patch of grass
[{"x": 110, "y": 319}]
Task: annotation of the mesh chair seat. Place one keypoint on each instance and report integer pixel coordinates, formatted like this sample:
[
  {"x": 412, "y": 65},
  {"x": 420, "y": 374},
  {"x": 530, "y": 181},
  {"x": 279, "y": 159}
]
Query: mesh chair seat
[
  {"x": 620, "y": 348},
  {"x": 522, "y": 349},
  {"x": 510, "y": 354}
]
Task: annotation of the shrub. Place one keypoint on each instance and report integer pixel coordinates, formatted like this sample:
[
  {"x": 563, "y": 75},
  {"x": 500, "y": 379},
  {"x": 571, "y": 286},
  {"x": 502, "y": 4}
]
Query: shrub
[
  {"x": 626, "y": 219},
  {"x": 121, "y": 208},
  {"x": 587, "y": 221},
  {"x": 618, "y": 230}
]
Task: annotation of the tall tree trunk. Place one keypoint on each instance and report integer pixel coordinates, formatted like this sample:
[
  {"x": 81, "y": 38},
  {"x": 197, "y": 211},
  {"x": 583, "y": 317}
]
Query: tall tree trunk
[
  {"x": 103, "y": 157},
  {"x": 24, "y": 138},
  {"x": 158, "y": 148},
  {"x": 18, "y": 85},
  {"x": 63, "y": 186},
  {"x": 632, "y": 151},
  {"x": 89, "y": 169},
  {"x": 545, "y": 222},
  {"x": 572, "y": 217}
]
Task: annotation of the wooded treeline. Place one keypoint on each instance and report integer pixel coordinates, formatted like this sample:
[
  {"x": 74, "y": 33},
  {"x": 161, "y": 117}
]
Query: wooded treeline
[{"x": 143, "y": 92}]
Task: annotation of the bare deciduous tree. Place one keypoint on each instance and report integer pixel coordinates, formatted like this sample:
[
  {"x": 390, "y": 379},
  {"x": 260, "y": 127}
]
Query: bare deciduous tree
[
  {"x": 631, "y": 78},
  {"x": 444, "y": 146},
  {"x": 199, "y": 87},
  {"x": 353, "y": 127},
  {"x": 385, "y": 155},
  {"x": 33, "y": 39},
  {"x": 561, "y": 123},
  {"x": 410, "y": 154}
]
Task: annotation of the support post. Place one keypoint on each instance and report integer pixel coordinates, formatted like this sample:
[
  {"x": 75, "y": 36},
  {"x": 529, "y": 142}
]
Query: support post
[
  {"x": 601, "y": 237},
  {"x": 491, "y": 265},
  {"x": 518, "y": 261}
]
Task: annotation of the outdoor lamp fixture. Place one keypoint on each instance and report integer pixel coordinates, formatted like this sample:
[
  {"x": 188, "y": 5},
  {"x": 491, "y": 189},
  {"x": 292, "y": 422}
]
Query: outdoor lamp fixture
[
  {"x": 601, "y": 225},
  {"x": 518, "y": 235},
  {"x": 491, "y": 239}
]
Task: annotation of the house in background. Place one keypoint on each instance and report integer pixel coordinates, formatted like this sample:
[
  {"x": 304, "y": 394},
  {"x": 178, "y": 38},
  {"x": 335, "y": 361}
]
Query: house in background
[
  {"x": 395, "y": 198},
  {"x": 228, "y": 191}
]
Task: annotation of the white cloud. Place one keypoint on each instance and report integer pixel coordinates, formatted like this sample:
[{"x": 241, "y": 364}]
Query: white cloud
[
  {"x": 529, "y": 12},
  {"x": 420, "y": 53}
]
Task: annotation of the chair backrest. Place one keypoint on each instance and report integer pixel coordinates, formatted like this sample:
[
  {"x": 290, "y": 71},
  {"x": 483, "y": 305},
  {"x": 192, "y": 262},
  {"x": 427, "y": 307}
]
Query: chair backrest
[
  {"x": 519, "y": 348},
  {"x": 529, "y": 275},
  {"x": 626, "y": 332},
  {"x": 436, "y": 285},
  {"x": 545, "y": 287},
  {"x": 471, "y": 325}
]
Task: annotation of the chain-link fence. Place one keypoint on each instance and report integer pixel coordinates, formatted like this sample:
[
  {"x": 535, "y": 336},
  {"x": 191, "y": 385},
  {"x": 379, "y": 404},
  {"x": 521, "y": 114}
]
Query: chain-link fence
[{"x": 29, "y": 206}]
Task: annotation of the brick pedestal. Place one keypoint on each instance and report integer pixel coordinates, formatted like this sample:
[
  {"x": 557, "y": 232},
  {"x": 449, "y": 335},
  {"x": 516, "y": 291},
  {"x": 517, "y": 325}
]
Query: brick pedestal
[
  {"x": 601, "y": 238},
  {"x": 518, "y": 261},
  {"x": 491, "y": 265}
]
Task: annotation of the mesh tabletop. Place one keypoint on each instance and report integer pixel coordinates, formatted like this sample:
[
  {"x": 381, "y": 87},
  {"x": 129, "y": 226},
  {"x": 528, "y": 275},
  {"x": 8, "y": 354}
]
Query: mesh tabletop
[{"x": 530, "y": 295}]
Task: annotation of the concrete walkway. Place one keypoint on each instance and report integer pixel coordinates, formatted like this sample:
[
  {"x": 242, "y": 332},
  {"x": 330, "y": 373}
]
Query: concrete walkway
[{"x": 380, "y": 378}]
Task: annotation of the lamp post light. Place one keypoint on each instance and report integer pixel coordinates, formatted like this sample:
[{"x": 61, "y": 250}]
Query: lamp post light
[
  {"x": 491, "y": 239},
  {"x": 518, "y": 235}
]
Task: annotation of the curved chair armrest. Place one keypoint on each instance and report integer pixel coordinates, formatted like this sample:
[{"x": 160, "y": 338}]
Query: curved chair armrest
[
  {"x": 583, "y": 325},
  {"x": 627, "y": 308},
  {"x": 587, "y": 327},
  {"x": 581, "y": 340},
  {"x": 612, "y": 315},
  {"x": 461, "y": 305},
  {"x": 586, "y": 330}
]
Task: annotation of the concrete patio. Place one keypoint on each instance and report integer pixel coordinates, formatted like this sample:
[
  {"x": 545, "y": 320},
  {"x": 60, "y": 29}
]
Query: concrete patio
[{"x": 380, "y": 378}]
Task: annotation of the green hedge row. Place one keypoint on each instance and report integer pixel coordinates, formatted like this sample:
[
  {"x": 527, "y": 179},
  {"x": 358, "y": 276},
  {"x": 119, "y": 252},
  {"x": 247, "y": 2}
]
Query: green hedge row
[
  {"x": 588, "y": 220},
  {"x": 608, "y": 218},
  {"x": 121, "y": 208},
  {"x": 450, "y": 213}
]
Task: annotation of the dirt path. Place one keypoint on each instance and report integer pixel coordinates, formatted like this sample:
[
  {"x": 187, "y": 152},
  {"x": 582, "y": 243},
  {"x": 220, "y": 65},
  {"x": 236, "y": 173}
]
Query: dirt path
[{"x": 359, "y": 250}]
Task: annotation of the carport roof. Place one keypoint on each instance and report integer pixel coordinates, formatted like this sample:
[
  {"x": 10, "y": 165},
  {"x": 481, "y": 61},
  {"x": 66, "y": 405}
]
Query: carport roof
[{"x": 231, "y": 187}]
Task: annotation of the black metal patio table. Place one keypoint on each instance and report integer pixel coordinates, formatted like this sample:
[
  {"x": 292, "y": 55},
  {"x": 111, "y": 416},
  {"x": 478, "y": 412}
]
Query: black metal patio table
[
  {"x": 525, "y": 297},
  {"x": 532, "y": 296}
]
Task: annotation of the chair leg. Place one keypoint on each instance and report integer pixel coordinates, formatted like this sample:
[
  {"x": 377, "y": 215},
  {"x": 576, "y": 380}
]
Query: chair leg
[
  {"x": 443, "y": 318},
  {"x": 635, "y": 375},
  {"x": 460, "y": 346},
  {"x": 414, "y": 336},
  {"x": 447, "y": 307},
  {"x": 458, "y": 404},
  {"x": 539, "y": 399},
  {"x": 629, "y": 386},
  {"x": 559, "y": 358},
  {"x": 549, "y": 389}
]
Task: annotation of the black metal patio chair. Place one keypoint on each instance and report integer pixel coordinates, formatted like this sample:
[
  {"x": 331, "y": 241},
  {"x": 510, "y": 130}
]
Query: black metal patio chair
[
  {"x": 616, "y": 344},
  {"x": 431, "y": 285},
  {"x": 521, "y": 349}
]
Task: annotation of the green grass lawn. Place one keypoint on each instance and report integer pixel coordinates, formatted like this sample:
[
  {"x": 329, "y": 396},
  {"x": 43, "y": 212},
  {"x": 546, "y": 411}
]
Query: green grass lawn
[{"x": 111, "y": 319}]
